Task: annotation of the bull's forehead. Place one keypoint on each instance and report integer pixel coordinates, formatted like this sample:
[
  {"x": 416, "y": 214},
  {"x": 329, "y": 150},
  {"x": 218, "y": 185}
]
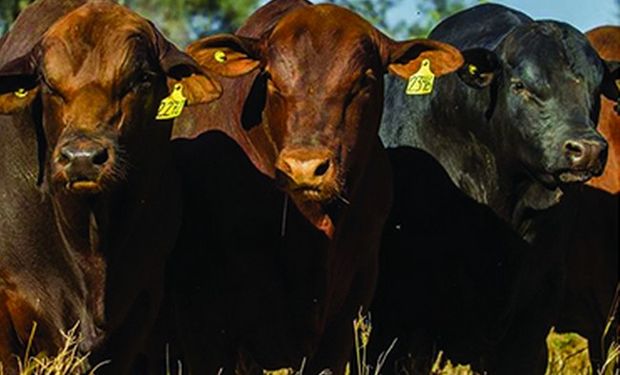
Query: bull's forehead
[
  {"x": 321, "y": 45},
  {"x": 99, "y": 41},
  {"x": 551, "y": 51}
]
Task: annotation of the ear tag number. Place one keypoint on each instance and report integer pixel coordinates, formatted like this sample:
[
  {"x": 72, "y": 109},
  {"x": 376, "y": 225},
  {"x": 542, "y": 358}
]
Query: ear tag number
[
  {"x": 421, "y": 82},
  {"x": 21, "y": 93},
  {"x": 172, "y": 106}
]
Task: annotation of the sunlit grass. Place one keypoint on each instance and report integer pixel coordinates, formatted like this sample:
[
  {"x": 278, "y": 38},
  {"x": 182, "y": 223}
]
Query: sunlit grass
[
  {"x": 68, "y": 360},
  {"x": 612, "y": 361},
  {"x": 567, "y": 353}
]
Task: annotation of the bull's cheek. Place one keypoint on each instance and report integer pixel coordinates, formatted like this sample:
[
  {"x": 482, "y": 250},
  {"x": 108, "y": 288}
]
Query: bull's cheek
[
  {"x": 275, "y": 125},
  {"x": 58, "y": 176},
  {"x": 53, "y": 128}
]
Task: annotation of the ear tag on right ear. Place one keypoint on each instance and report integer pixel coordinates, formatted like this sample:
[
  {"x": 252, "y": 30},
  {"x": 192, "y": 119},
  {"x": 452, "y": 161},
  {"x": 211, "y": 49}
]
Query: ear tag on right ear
[
  {"x": 172, "y": 106},
  {"x": 421, "y": 82},
  {"x": 21, "y": 93}
]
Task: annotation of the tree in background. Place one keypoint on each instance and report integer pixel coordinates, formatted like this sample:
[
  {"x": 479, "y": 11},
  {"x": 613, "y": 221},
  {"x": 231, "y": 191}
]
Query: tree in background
[
  {"x": 181, "y": 20},
  {"x": 428, "y": 14},
  {"x": 9, "y": 9},
  {"x": 186, "y": 20}
]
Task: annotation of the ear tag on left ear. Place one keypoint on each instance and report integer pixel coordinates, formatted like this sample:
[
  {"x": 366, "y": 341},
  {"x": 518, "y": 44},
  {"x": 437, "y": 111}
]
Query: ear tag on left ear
[
  {"x": 172, "y": 106},
  {"x": 421, "y": 82},
  {"x": 21, "y": 93}
]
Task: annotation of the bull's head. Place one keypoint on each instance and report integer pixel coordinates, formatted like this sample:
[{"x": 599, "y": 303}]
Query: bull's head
[
  {"x": 544, "y": 81},
  {"x": 101, "y": 72},
  {"x": 321, "y": 91}
]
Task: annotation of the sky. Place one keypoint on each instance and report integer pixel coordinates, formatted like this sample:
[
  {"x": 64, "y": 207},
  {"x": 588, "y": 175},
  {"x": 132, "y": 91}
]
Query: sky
[{"x": 583, "y": 14}]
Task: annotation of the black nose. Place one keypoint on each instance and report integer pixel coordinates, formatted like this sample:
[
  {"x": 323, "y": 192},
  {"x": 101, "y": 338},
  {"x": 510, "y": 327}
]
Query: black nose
[
  {"x": 585, "y": 154},
  {"x": 92, "y": 153}
]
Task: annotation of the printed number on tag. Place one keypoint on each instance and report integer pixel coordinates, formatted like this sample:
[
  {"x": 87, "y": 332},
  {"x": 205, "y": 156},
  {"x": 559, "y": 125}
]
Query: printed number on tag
[
  {"x": 173, "y": 105},
  {"x": 421, "y": 82}
]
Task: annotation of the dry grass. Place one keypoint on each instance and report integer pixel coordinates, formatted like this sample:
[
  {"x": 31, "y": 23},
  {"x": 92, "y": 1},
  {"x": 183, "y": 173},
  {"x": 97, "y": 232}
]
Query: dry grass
[
  {"x": 568, "y": 354},
  {"x": 68, "y": 360},
  {"x": 612, "y": 362},
  {"x": 445, "y": 367}
]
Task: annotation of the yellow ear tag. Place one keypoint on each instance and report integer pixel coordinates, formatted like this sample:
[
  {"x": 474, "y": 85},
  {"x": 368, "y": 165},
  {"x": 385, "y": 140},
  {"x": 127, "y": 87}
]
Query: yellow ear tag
[
  {"x": 21, "y": 93},
  {"x": 172, "y": 106},
  {"x": 472, "y": 69},
  {"x": 421, "y": 82},
  {"x": 617, "y": 84},
  {"x": 220, "y": 56}
]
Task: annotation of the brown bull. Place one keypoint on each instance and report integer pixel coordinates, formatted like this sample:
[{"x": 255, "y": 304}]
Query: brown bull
[
  {"x": 282, "y": 281},
  {"x": 606, "y": 41},
  {"x": 83, "y": 84}
]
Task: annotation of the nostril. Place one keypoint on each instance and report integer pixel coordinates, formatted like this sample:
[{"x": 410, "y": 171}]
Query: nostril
[
  {"x": 322, "y": 168},
  {"x": 574, "y": 150},
  {"x": 101, "y": 156}
]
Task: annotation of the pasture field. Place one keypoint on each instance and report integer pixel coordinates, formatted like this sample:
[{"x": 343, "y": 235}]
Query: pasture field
[{"x": 567, "y": 355}]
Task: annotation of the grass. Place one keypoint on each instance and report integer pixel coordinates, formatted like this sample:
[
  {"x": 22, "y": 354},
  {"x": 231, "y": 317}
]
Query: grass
[
  {"x": 68, "y": 360},
  {"x": 567, "y": 353},
  {"x": 445, "y": 367}
]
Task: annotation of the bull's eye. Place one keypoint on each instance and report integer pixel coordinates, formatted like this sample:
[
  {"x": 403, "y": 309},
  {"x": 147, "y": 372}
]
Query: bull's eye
[
  {"x": 52, "y": 91},
  {"x": 145, "y": 77},
  {"x": 518, "y": 86},
  {"x": 140, "y": 82},
  {"x": 368, "y": 79}
]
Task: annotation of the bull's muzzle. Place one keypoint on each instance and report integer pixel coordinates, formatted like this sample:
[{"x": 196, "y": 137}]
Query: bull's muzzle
[
  {"x": 309, "y": 173},
  {"x": 80, "y": 164},
  {"x": 585, "y": 157}
]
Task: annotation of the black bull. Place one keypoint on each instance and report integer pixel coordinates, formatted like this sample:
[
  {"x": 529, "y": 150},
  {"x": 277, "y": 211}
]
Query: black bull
[{"x": 473, "y": 256}]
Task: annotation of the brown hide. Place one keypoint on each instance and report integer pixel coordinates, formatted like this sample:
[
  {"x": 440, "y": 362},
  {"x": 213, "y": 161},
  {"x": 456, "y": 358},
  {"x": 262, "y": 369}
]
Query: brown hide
[
  {"x": 280, "y": 282},
  {"x": 606, "y": 41},
  {"x": 108, "y": 202},
  {"x": 309, "y": 118}
]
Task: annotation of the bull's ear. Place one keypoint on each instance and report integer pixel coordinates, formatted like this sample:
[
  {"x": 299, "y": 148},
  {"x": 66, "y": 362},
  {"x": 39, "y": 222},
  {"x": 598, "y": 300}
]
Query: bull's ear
[
  {"x": 227, "y": 55},
  {"x": 198, "y": 85},
  {"x": 405, "y": 58},
  {"x": 18, "y": 84},
  {"x": 611, "y": 82},
  {"x": 480, "y": 68}
]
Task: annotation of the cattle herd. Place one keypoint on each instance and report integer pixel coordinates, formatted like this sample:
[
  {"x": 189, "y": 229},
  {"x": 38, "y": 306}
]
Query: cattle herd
[{"x": 243, "y": 200}]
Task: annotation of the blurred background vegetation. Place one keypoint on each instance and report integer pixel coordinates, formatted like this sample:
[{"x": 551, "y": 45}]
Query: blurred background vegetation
[{"x": 186, "y": 20}]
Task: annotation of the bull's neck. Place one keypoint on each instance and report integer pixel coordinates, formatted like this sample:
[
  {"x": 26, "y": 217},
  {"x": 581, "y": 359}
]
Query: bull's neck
[
  {"x": 97, "y": 228},
  {"x": 471, "y": 163},
  {"x": 27, "y": 222}
]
